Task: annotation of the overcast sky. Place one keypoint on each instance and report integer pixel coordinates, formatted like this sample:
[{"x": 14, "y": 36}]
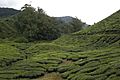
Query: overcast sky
[{"x": 89, "y": 11}]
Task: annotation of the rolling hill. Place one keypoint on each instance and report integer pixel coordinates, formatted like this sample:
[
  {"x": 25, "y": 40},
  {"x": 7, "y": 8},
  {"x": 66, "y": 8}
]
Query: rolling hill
[{"x": 90, "y": 54}]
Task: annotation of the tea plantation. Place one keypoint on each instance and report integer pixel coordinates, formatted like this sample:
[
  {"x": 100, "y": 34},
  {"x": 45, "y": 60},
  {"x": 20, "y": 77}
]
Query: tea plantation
[{"x": 90, "y": 54}]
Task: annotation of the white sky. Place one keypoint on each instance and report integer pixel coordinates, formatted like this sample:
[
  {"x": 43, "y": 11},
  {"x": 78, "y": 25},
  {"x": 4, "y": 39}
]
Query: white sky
[{"x": 89, "y": 11}]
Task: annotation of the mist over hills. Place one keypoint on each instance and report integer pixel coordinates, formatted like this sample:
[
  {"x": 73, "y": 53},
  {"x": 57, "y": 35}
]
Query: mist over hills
[{"x": 65, "y": 19}]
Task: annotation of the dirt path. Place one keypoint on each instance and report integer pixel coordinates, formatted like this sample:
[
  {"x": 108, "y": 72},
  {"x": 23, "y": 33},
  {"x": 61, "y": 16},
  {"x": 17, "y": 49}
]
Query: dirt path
[{"x": 50, "y": 76}]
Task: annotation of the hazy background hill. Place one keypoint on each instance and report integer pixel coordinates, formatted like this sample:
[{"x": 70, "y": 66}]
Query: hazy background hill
[
  {"x": 66, "y": 19},
  {"x": 5, "y": 12}
]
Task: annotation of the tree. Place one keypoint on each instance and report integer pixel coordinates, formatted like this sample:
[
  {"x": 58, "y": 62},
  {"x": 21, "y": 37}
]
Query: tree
[
  {"x": 77, "y": 24},
  {"x": 36, "y": 25}
]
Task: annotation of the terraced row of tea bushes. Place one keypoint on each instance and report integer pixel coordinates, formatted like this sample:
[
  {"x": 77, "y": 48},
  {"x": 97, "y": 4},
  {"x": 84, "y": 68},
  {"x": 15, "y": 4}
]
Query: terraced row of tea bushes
[
  {"x": 11, "y": 53},
  {"x": 88, "y": 42},
  {"x": 8, "y": 54},
  {"x": 88, "y": 65}
]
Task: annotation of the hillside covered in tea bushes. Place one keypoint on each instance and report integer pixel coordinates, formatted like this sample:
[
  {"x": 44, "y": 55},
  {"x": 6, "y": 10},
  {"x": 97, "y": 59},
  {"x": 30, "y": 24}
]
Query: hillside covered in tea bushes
[{"x": 89, "y": 54}]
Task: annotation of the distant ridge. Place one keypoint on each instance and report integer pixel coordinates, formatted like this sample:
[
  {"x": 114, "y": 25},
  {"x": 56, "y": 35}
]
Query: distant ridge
[
  {"x": 65, "y": 19},
  {"x": 69, "y": 19},
  {"x": 5, "y": 12}
]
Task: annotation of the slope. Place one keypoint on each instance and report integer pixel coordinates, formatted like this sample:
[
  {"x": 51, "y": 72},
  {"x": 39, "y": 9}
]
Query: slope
[
  {"x": 91, "y": 54},
  {"x": 103, "y": 33}
]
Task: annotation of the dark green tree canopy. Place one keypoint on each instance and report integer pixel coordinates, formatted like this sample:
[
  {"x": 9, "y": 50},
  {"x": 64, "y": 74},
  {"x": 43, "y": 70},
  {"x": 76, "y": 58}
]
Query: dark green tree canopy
[{"x": 34, "y": 24}]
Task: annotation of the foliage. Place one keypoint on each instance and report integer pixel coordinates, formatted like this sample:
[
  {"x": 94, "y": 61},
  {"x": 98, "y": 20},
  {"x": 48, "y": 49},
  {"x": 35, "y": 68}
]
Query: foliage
[{"x": 36, "y": 25}]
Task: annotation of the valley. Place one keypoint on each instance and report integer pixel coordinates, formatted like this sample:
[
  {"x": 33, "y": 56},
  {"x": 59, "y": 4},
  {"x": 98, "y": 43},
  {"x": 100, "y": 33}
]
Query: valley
[{"x": 92, "y": 53}]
